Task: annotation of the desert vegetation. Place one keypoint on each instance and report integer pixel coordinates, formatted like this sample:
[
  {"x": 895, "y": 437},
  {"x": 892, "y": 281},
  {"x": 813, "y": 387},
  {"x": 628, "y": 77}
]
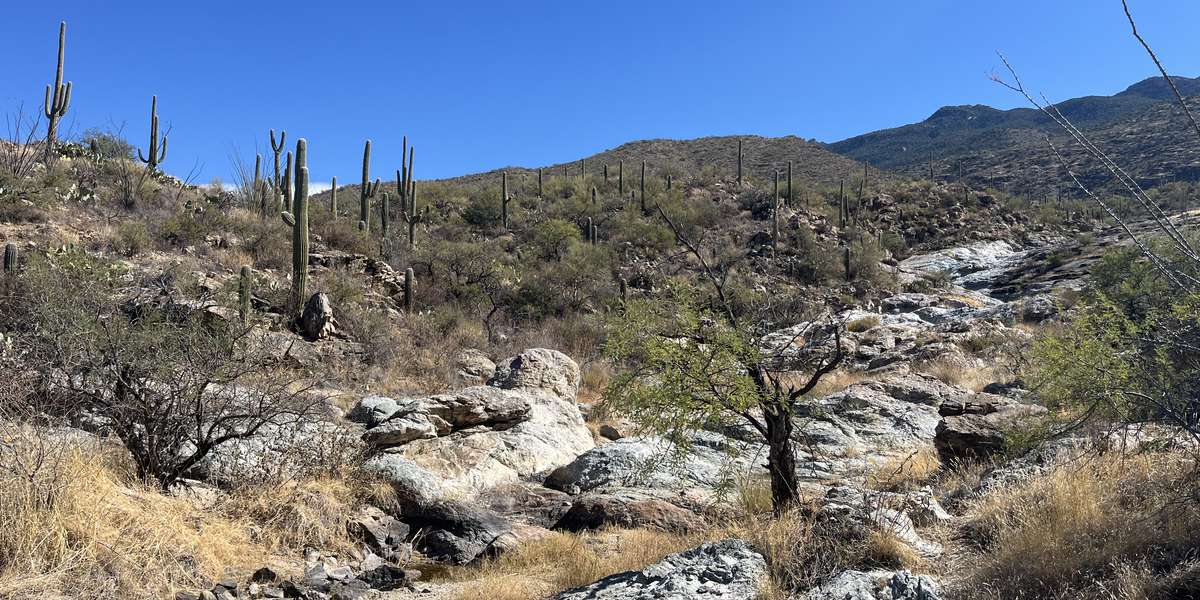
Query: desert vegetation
[{"x": 738, "y": 367}]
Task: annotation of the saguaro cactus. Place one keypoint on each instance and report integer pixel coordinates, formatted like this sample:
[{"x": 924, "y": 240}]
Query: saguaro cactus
[
  {"x": 410, "y": 215},
  {"x": 384, "y": 222},
  {"x": 669, "y": 182},
  {"x": 10, "y": 258},
  {"x": 286, "y": 201},
  {"x": 298, "y": 219},
  {"x": 366, "y": 191},
  {"x": 593, "y": 195},
  {"x": 643, "y": 186},
  {"x": 775, "y": 217},
  {"x": 410, "y": 281},
  {"x": 504, "y": 198},
  {"x": 277, "y": 148},
  {"x": 789, "y": 184},
  {"x": 245, "y": 282},
  {"x": 540, "y": 194},
  {"x": 589, "y": 231},
  {"x": 333, "y": 197},
  {"x": 254, "y": 187},
  {"x": 157, "y": 153},
  {"x": 740, "y": 156},
  {"x": 605, "y": 173},
  {"x": 582, "y": 172},
  {"x": 58, "y": 96},
  {"x": 621, "y": 177}
]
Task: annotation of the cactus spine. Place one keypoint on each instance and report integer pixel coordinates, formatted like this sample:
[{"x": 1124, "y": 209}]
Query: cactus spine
[
  {"x": 157, "y": 153},
  {"x": 410, "y": 281},
  {"x": 740, "y": 155},
  {"x": 10, "y": 258},
  {"x": 298, "y": 220},
  {"x": 504, "y": 198},
  {"x": 244, "y": 290},
  {"x": 58, "y": 96}
]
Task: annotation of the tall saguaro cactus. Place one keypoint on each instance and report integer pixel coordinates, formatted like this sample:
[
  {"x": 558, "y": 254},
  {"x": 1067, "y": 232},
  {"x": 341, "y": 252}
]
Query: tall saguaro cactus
[
  {"x": 298, "y": 220},
  {"x": 775, "y": 217},
  {"x": 504, "y": 199},
  {"x": 643, "y": 187},
  {"x": 254, "y": 187},
  {"x": 740, "y": 156},
  {"x": 411, "y": 217},
  {"x": 540, "y": 193},
  {"x": 333, "y": 198},
  {"x": 410, "y": 281},
  {"x": 284, "y": 203},
  {"x": 384, "y": 221},
  {"x": 789, "y": 185},
  {"x": 157, "y": 153},
  {"x": 277, "y": 148},
  {"x": 367, "y": 191},
  {"x": 621, "y": 177},
  {"x": 58, "y": 96},
  {"x": 606, "y": 173}
]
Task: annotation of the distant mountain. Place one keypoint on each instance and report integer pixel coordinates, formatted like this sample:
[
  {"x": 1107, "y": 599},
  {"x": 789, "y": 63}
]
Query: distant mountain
[{"x": 1007, "y": 148}]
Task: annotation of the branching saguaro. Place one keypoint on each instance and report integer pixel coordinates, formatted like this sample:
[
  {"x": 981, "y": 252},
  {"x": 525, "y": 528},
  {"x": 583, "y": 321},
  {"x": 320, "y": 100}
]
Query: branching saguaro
[
  {"x": 58, "y": 96},
  {"x": 367, "y": 190},
  {"x": 297, "y": 219},
  {"x": 157, "y": 152}
]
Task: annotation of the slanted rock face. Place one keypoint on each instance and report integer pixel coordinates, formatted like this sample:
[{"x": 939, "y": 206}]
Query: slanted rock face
[
  {"x": 628, "y": 509},
  {"x": 877, "y": 585},
  {"x": 539, "y": 369},
  {"x": 473, "y": 367},
  {"x": 975, "y": 428},
  {"x": 316, "y": 322},
  {"x": 724, "y": 570}
]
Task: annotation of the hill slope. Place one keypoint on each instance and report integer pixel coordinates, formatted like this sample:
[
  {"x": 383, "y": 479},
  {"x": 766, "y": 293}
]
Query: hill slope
[{"x": 1007, "y": 148}]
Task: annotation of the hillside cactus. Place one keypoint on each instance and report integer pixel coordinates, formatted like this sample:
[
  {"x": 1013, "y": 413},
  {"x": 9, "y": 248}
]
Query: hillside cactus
[
  {"x": 504, "y": 199},
  {"x": 384, "y": 221},
  {"x": 277, "y": 148},
  {"x": 410, "y": 281},
  {"x": 245, "y": 283},
  {"x": 58, "y": 96},
  {"x": 593, "y": 195},
  {"x": 333, "y": 198},
  {"x": 606, "y": 173},
  {"x": 642, "y": 186},
  {"x": 10, "y": 258},
  {"x": 298, "y": 220},
  {"x": 283, "y": 203},
  {"x": 256, "y": 186},
  {"x": 621, "y": 177},
  {"x": 775, "y": 218},
  {"x": 366, "y": 191},
  {"x": 789, "y": 184},
  {"x": 158, "y": 153},
  {"x": 540, "y": 194},
  {"x": 410, "y": 215},
  {"x": 740, "y": 156}
]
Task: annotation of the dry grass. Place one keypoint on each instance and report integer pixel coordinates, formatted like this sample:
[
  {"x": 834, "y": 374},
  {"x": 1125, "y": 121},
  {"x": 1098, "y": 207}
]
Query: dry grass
[
  {"x": 561, "y": 561},
  {"x": 885, "y": 550},
  {"x": 77, "y": 528},
  {"x": 832, "y": 383},
  {"x": 863, "y": 324},
  {"x": 907, "y": 471},
  {"x": 296, "y": 514},
  {"x": 973, "y": 378},
  {"x": 1116, "y": 527}
]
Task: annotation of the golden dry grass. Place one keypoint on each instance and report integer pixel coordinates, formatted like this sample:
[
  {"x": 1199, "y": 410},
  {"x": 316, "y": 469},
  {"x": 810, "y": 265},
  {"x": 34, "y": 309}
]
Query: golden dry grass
[
  {"x": 1085, "y": 530},
  {"x": 561, "y": 561},
  {"x": 906, "y": 471},
  {"x": 973, "y": 378},
  {"x": 295, "y": 514},
  {"x": 78, "y": 528}
]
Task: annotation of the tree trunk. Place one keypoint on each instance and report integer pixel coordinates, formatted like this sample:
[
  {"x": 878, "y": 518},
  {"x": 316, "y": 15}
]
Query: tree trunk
[{"x": 781, "y": 460}]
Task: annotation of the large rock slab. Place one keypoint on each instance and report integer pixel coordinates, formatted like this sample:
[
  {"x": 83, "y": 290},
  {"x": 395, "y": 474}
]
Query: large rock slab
[
  {"x": 539, "y": 369},
  {"x": 877, "y": 585},
  {"x": 724, "y": 570},
  {"x": 627, "y": 509}
]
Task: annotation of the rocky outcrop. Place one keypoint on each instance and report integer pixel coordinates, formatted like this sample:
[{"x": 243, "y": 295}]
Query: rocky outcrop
[
  {"x": 523, "y": 425},
  {"x": 877, "y": 585},
  {"x": 316, "y": 322},
  {"x": 860, "y": 512},
  {"x": 473, "y": 367},
  {"x": 627, "y": 509},
  {"x": 724, "y": 570},
  {"x": 975, "y": 428},
  {"x": 453, "y": 531}
]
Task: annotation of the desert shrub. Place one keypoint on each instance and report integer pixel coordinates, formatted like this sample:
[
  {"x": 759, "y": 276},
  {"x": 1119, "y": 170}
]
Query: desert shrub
[
  {"x": 107, "y": 144},
  {"x": 553, "y": 238},
  {"x": 131, "y": 238},
  {"x": 483, "y": 211}
]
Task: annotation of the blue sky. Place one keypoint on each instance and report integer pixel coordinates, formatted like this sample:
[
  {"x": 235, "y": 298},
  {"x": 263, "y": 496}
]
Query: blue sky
[{"x": 480, "y": 85}]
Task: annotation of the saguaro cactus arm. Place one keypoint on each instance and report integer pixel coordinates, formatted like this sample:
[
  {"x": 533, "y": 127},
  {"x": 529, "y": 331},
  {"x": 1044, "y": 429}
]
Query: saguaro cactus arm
[{"x": 58, "y": 95}]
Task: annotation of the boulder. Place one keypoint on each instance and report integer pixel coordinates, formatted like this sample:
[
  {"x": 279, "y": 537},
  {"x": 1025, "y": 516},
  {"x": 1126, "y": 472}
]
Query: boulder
[
  {"x": 975, "y": 429},
  {"x": 453, "y": 531},
  {"x": 527, "y": 503},
  {"x": 876, "y": 585},
  {"x": 411, "y": 482},
  {"x": 627, "y": 509},
  {"x": 539, "y": 369},
  {"x": 382, "y": 533},
  {"x": 862, "y": 511},
  {"x": 316, "y": 322},
  {"x": 473, "y": 367},
  {"x": 724, "y": 570},
  {"x": 373, "y": 410}
]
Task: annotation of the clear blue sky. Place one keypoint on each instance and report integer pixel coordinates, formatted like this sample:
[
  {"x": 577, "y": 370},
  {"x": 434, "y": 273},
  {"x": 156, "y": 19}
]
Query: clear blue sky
[{"x": 480, "y": 85}]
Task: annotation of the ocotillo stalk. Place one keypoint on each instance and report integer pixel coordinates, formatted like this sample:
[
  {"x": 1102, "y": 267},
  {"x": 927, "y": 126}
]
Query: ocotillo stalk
[
  {"x": 10, "y": 258},
  {"x": 257, "y": 178},
  {"x": 789, "y": 187},
  {"x": 504, "y": 199},
  {"x": 277, "y": 148},
  {"x": 333, "y": 198},
  {"x": 384, "y": 224},
  {"x": 739, "y": 163},
  {"x": 643, "y": 187},
  {"x": 410, "y": 281},
  {"x": 621, "y": 177},
  {"x": 157, "y": 153},
  {"x": 58, "y": 96},
  {"x": 244, "y": 291}
]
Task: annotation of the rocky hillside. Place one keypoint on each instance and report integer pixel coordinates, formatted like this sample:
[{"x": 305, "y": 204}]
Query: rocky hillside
[{"x": 1007, "y": 148}]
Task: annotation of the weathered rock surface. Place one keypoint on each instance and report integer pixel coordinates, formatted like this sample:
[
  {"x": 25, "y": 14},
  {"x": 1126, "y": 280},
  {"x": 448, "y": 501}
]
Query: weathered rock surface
[
  {"x": 865, "y": 510},
  {"x": 627, "y": 509},
  {"x": 725, "y": 570},
  {"x": 539, "y": 369},
  {"x": 317, "y": 322},
  {"x": 975, "y": 429},
  {"x": 877, "y": 585},
  {"x": 453, "y": 531}
]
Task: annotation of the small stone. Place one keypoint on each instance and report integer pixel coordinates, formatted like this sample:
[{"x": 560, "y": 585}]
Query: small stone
[{"x": 264, "y": 575}]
